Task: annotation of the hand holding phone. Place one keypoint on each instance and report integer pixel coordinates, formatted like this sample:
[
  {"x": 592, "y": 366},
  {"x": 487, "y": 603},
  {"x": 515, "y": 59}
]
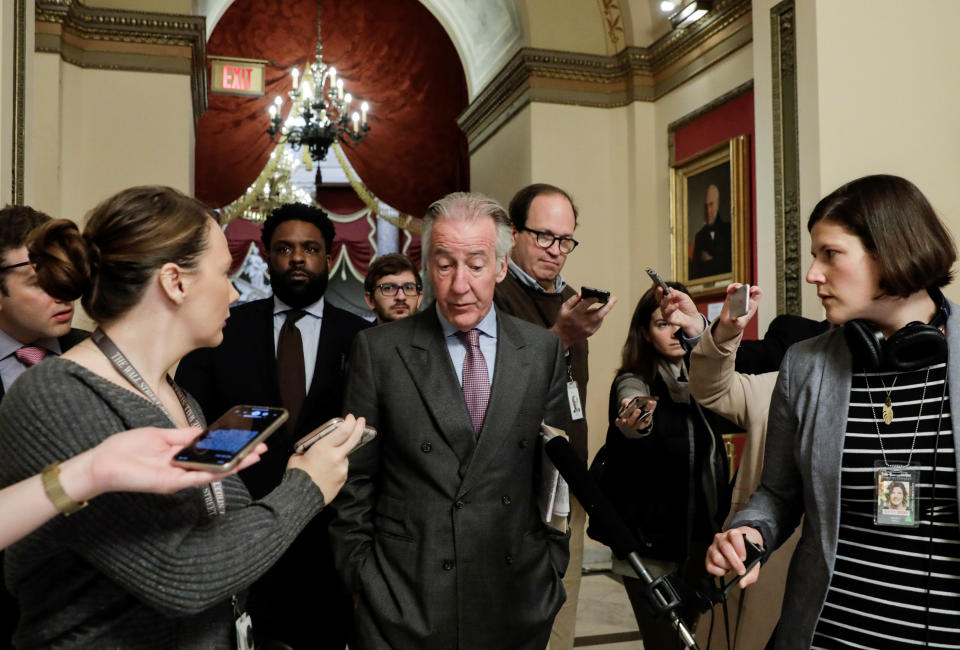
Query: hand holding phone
[{"x": 222, "y": 445}]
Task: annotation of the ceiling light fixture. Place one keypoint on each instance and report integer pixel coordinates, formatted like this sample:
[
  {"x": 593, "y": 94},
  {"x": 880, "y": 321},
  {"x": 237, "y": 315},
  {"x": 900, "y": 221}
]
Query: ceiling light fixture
[{"x": 690, "y": 13}]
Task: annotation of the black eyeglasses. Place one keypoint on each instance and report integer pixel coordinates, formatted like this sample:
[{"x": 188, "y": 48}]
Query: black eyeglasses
[
  {"x": 13, "y": 266},
  {"x": 390, "y": 289},
  {"x": 546, "y": 239}
]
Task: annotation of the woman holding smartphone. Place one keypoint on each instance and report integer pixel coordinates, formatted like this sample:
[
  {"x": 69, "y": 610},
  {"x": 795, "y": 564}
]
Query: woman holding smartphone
[
  {"x": 666, "y": 470},
  {"x": 142, "y": 570},
  {"x": 864, "y": 404}
]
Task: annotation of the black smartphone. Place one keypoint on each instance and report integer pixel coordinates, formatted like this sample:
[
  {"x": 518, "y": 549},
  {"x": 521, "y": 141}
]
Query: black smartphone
[
  {"x": 657, "y": 280},
  {"x": 223, "y": 444},
  {"x": 589, "y": 292},
  {"x": 304, "y": 443}
]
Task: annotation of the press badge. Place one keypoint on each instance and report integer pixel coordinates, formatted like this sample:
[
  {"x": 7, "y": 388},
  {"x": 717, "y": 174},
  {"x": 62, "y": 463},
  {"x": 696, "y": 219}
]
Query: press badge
[
  {"x": 895, "y": 495},
  {"x": 573, "y": 396}
]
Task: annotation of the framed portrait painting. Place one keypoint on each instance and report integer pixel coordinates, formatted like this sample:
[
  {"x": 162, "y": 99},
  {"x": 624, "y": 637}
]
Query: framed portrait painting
[{"x": 710, "y": 217}]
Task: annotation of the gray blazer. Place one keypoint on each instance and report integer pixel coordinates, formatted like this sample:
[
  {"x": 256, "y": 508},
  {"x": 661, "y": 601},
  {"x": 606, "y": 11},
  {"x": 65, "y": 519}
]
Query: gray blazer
[
  {"x": 801, "y": 473},
  {"x": 439, "y": 532}
]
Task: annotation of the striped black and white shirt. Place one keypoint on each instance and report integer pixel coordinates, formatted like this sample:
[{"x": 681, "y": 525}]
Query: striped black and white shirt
[{"x": 894, "y": 586}]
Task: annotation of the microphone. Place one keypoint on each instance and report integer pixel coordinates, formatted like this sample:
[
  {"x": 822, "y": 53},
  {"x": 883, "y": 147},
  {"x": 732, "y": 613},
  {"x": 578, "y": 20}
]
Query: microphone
[{"x": 661, "y": 594}]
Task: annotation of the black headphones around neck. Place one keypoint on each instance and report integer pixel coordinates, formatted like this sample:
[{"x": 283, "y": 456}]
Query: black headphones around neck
[{"x": 915, "y": 345}]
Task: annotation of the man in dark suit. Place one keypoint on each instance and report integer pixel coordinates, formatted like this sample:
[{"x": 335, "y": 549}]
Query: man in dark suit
[
  {"x": 438, "y": 530},
  {"x": 289, "y": 350},
  {"x": 33, "y": 326}
]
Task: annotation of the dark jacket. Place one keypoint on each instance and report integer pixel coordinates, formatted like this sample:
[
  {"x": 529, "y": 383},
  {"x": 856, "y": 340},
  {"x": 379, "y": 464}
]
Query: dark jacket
[
  {"x": 542, "y": 309},
  {"x": 671, "y": 486},
  {"x": 437, "y": 530},
  {"x": 301, "y": 593}
]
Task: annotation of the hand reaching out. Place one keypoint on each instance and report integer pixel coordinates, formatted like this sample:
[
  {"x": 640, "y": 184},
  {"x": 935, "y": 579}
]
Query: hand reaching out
[{"x": 679, "y": 309}]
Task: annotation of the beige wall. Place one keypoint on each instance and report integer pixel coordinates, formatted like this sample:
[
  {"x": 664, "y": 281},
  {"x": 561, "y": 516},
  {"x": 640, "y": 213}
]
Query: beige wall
[
  {"x": 95, "y": 132},
  {"x": 886, "y": 102},
  {"x": 102, "y": 131},
  {"x": 566, "y": 25},
  {"x": 502, "y": 164}
]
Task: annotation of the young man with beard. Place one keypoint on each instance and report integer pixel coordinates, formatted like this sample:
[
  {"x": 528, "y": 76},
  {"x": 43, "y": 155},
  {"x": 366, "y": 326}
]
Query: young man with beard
[
  {"x": 392, "y": 287},
  {"x": 289, "y": 350}
]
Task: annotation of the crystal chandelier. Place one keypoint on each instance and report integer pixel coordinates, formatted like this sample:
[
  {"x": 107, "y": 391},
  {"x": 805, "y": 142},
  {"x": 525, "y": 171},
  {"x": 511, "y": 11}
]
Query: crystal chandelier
[{"x": 321, "y": 112}]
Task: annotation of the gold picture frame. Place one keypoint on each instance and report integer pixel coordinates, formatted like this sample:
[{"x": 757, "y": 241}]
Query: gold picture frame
[{"x": 710, "y": 218}]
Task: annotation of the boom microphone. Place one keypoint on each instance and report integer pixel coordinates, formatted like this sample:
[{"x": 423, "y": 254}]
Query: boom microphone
[{"x": 663, "y": 597}]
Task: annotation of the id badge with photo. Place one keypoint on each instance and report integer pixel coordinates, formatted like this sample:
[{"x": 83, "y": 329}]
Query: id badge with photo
[
  {"x": 895, "y": 495},
  {"x": 573, "y": 396}
]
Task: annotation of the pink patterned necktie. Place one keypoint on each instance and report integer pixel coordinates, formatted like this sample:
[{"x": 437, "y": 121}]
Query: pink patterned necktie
[
  {"x": 31, "y": 355},
  {"x": 476, "y": 379}
]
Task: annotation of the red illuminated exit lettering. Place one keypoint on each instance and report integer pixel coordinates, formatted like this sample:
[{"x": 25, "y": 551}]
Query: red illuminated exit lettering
[{"x": 235, "y": 78}]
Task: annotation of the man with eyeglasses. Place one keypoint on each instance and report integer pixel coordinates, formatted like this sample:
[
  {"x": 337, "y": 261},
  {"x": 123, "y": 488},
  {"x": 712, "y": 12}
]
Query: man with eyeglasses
[
  {"x": 392, "y": 287},
  {"x": 544, "y": 218},
  {"x": 33, "y": 326}
]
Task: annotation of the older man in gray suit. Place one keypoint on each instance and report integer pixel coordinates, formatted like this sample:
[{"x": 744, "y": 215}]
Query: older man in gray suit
[{"x": 438, "y": 530}]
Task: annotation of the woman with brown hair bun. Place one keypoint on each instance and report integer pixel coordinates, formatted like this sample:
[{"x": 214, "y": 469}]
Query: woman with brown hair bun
[{"x": 138, "y": 570}]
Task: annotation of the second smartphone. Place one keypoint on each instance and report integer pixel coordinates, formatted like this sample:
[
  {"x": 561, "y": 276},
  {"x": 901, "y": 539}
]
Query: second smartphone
[{"x": 304, "y": 443}]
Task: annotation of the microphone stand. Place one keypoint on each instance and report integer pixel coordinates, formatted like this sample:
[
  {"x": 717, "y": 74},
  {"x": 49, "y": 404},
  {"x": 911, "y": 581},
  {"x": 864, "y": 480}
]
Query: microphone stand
[
  {"x": 660, "y": 592},
  {"x": 664, "y": 599}
]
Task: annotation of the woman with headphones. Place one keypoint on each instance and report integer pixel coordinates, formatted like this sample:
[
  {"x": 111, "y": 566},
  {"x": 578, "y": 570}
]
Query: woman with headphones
[{"x": 854, "y": 409}]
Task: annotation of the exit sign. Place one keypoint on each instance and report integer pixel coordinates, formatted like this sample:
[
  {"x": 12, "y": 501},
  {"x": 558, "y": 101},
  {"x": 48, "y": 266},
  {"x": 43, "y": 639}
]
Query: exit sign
[{"x": 231, "y": 76}]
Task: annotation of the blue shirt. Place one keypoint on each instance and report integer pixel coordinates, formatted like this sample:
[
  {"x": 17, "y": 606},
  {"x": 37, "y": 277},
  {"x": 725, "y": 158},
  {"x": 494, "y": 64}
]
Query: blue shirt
[
  {"x": 10, "y": 366},
  {"x": 309, "y": 327},
  {"x": 458, "y": 349}
]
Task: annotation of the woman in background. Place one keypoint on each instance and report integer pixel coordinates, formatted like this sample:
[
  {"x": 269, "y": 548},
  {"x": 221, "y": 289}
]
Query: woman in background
[
  {"x": 666, "y": 441},
  {"x": 138, "y": 570}
]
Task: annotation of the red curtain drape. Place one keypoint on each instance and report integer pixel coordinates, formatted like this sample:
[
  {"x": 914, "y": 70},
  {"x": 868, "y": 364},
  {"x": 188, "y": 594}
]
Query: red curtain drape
[{"x": 394, "y": 54}]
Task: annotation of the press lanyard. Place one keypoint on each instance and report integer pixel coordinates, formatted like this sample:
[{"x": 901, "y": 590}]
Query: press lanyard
[{"x": 213, "y": 492}]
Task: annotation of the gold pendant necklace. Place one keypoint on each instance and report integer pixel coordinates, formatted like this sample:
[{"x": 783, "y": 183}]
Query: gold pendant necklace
[{"x": 888, "y": 404}]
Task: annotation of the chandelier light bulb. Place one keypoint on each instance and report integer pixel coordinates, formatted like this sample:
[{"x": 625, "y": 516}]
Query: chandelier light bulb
[
  {"x": 348, "y": 99},
  {"x": 364, "y": 108},
  {"x": 295, "y": 73},
  {"x": 278, "y": 100},
  {"x": 273, "y": 111},
  {"x": 356, "y": 121},
  {"x": 333, "y": 75},
  {"x": 667, "y": 6}
]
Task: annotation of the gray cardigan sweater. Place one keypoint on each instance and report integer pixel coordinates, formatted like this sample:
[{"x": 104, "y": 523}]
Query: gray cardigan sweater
[
  {"x": 801, "y": 471},
  {"x": 130, "y": 570}
]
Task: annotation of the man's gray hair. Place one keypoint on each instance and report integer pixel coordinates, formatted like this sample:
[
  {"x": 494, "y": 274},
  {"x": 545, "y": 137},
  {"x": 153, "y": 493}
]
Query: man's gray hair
[{"x": 468, "y": 207}]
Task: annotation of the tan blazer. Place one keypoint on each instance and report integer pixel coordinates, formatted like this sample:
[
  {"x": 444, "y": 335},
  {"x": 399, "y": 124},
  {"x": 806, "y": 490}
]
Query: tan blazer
[{"x": 744, "y": 400}]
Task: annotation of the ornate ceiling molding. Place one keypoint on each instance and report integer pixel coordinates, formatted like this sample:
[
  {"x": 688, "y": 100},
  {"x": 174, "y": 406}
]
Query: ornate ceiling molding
[
  {"x": 634, "y": 74},
  {"x": 112, "y": 39}
]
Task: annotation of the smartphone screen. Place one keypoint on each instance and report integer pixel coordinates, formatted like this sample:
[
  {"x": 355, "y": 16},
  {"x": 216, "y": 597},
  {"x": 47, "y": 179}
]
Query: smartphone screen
[{"x": 231, "y": 437}]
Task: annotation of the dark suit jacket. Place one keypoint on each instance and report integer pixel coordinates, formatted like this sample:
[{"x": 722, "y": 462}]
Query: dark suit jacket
[
  {"x": 8, "y": 604},
  {"x": 765, "y": 355},
  {"x": 242, "y": 370},
  {"x": 436, "y": 530}
]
